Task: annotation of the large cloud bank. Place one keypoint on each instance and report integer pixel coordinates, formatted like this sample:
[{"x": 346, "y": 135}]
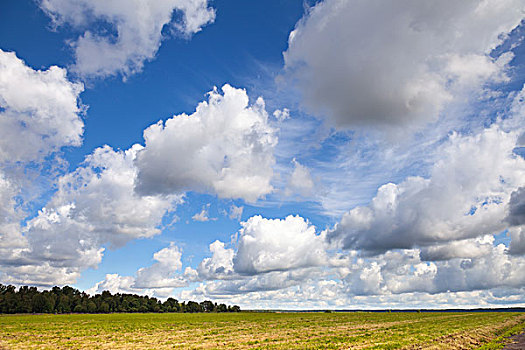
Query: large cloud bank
[
  {"x": 439, "y": 240},
  {"x": 388, "y": 64},
  {"x": 225, "y": 148},
  {"x": 466, "y": 196}
]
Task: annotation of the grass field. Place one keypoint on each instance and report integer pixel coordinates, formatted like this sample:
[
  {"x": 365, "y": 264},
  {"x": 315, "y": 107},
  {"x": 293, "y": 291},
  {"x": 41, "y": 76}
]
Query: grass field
[{"x": 243, "y": 330}]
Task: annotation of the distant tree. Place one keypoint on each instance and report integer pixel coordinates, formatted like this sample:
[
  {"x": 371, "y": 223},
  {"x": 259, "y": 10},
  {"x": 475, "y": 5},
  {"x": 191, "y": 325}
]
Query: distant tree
[
  {"x": 63, "y": 304},
  {"x": 68, "y": 299},
  {"x": 193, "y": 307},
  {"x": 41, "y": 303},
  {"x": 79, "y": 308},
  {"x": 171, "y": 305},
  {"x": 235, "y": 308},
  {"x": 222, "y": 308},
  {"x": 91, "y": 307},
  {"x": 104, "y": 307},
  {"x": 207, "y": 306}
]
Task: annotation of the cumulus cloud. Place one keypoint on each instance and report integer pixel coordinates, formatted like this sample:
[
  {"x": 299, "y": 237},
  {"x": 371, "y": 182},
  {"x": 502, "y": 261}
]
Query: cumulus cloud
[
  {"x": 465, "y": 197},
  {"x": 274, "y": 248},
  {"x": 426, "y": 240},
  {"x": 225, "y": 147},
  {"x": 248, "y": 285},
  {"x": 397, "y": 278},
  {"x": 516, "y": 218},
  {"x": 99, "y": 196},
  {"x": 11, "y": 237},
  {"x": 516, "y": 214},
  {"x": 159, "y": 279},
  {"x": 517, "y": 240},
  {"x": 376, "y": 64},
  {"x": 161, "y": 274},
  {"x": 115, "y": 283},
  {"x": 281, "y": 114},
  {"x": 465, "y": 248},
  {"x": 497, "y": 269},
  {"x": 300, "y": 180},
  {"x": 219, "y": 265},
  {"x": 399, "y": 272},
  {"x": 235, "y": 212},
  {"x": 93, "y": 205},
  {"x": 302, "y": 267},
  {"x": 135, "y": 30},
  {"x": 203, "y": 215},
  {"x": 392, "y": 273},
  {"x": 39, "y": 111},
  {"x": 491, "y": 279},
  {"x": 277, "y": 244},
  {"x": 264, "y": 245}
]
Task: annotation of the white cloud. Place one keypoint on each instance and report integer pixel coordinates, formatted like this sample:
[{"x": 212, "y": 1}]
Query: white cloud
[
  {"x": 42, "y": 274},
  {"x": 220, "y": 265},
  {"x": 97, "y": 203},
  {"x": 94, "y": 205},
  {"x": 265, "y": 245},
  {"x": 269, "y": 254},
  {"x": 203, "y": 215},
  {"x": 517, "y": 240},
  {"x": 39, "y": 111},
  {"x": 494, "y": 270},
  {"x": 465, "y": 248},
  {"x": 403, "y": 271},
  {"x": 10, "y": 233},
  {"x": 39, "y": 114},
  {"x": 464, "y": 197},
  {"x": 448, "y": 222},
  {"x": 397, "y": 63},
  {"x": 236, "y": 212},
  {"x": 162, "y": 274},
  {"x": 516, "y": 216},
  {"x": 394, "y": 279},
  {"x": 303, "y": 268},
  {"x": 277, "y": 244},
  {"x": 158, "y": 279},
  {"x": 281, "y": 114},
  {"x": 115, "y": 283},
  {"x": 100, "y": 199},
  {"x": 372, "y": 285},
  {"x": 224, "y": 148},
  {"x": 247, "y": 285},
  {"x": 300, "y": 180},
  {"x": 138, "y": 30}
]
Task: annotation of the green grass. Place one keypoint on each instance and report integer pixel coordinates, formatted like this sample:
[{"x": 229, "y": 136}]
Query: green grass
[{"x": 257, "y": 330}]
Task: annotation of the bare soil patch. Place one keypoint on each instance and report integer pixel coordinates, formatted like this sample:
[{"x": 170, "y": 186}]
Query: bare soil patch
[{"x": 517, "y": 342}]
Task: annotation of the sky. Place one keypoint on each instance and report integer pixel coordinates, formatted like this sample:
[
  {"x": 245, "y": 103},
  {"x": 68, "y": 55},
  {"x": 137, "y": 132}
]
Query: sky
[{"x": 279, "y": 154}]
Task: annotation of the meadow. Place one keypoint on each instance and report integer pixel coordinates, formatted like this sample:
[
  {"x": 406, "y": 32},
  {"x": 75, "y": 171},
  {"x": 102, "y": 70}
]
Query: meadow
[{"x": 251, "y": 330}]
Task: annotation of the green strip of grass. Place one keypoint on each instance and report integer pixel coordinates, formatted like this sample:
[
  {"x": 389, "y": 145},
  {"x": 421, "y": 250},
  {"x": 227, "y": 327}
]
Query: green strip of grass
[{"x": 503, "y": 335}]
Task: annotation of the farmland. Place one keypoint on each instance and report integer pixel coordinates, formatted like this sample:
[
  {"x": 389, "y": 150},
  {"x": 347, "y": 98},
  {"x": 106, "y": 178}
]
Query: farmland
[{"x": 359, "y": 330}]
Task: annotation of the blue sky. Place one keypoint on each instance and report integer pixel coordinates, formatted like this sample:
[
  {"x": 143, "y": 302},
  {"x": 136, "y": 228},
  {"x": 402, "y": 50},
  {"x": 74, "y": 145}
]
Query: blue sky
[{"x": 338, "y": 153}]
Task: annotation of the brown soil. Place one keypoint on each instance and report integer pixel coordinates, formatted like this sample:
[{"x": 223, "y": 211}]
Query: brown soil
[
  {"x": 470, "y": 339},
  {"x": 517, "y": 342}
]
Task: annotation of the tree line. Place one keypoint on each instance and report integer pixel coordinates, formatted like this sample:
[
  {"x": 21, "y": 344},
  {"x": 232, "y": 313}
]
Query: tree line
[{"x": 70, "y": 300}]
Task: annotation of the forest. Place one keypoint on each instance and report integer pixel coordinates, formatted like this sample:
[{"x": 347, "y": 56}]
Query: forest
[{"x": 70, "y": 300}]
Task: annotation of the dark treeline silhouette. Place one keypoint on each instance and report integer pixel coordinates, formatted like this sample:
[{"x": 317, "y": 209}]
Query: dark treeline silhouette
[{"x": 68, "y": 300}]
